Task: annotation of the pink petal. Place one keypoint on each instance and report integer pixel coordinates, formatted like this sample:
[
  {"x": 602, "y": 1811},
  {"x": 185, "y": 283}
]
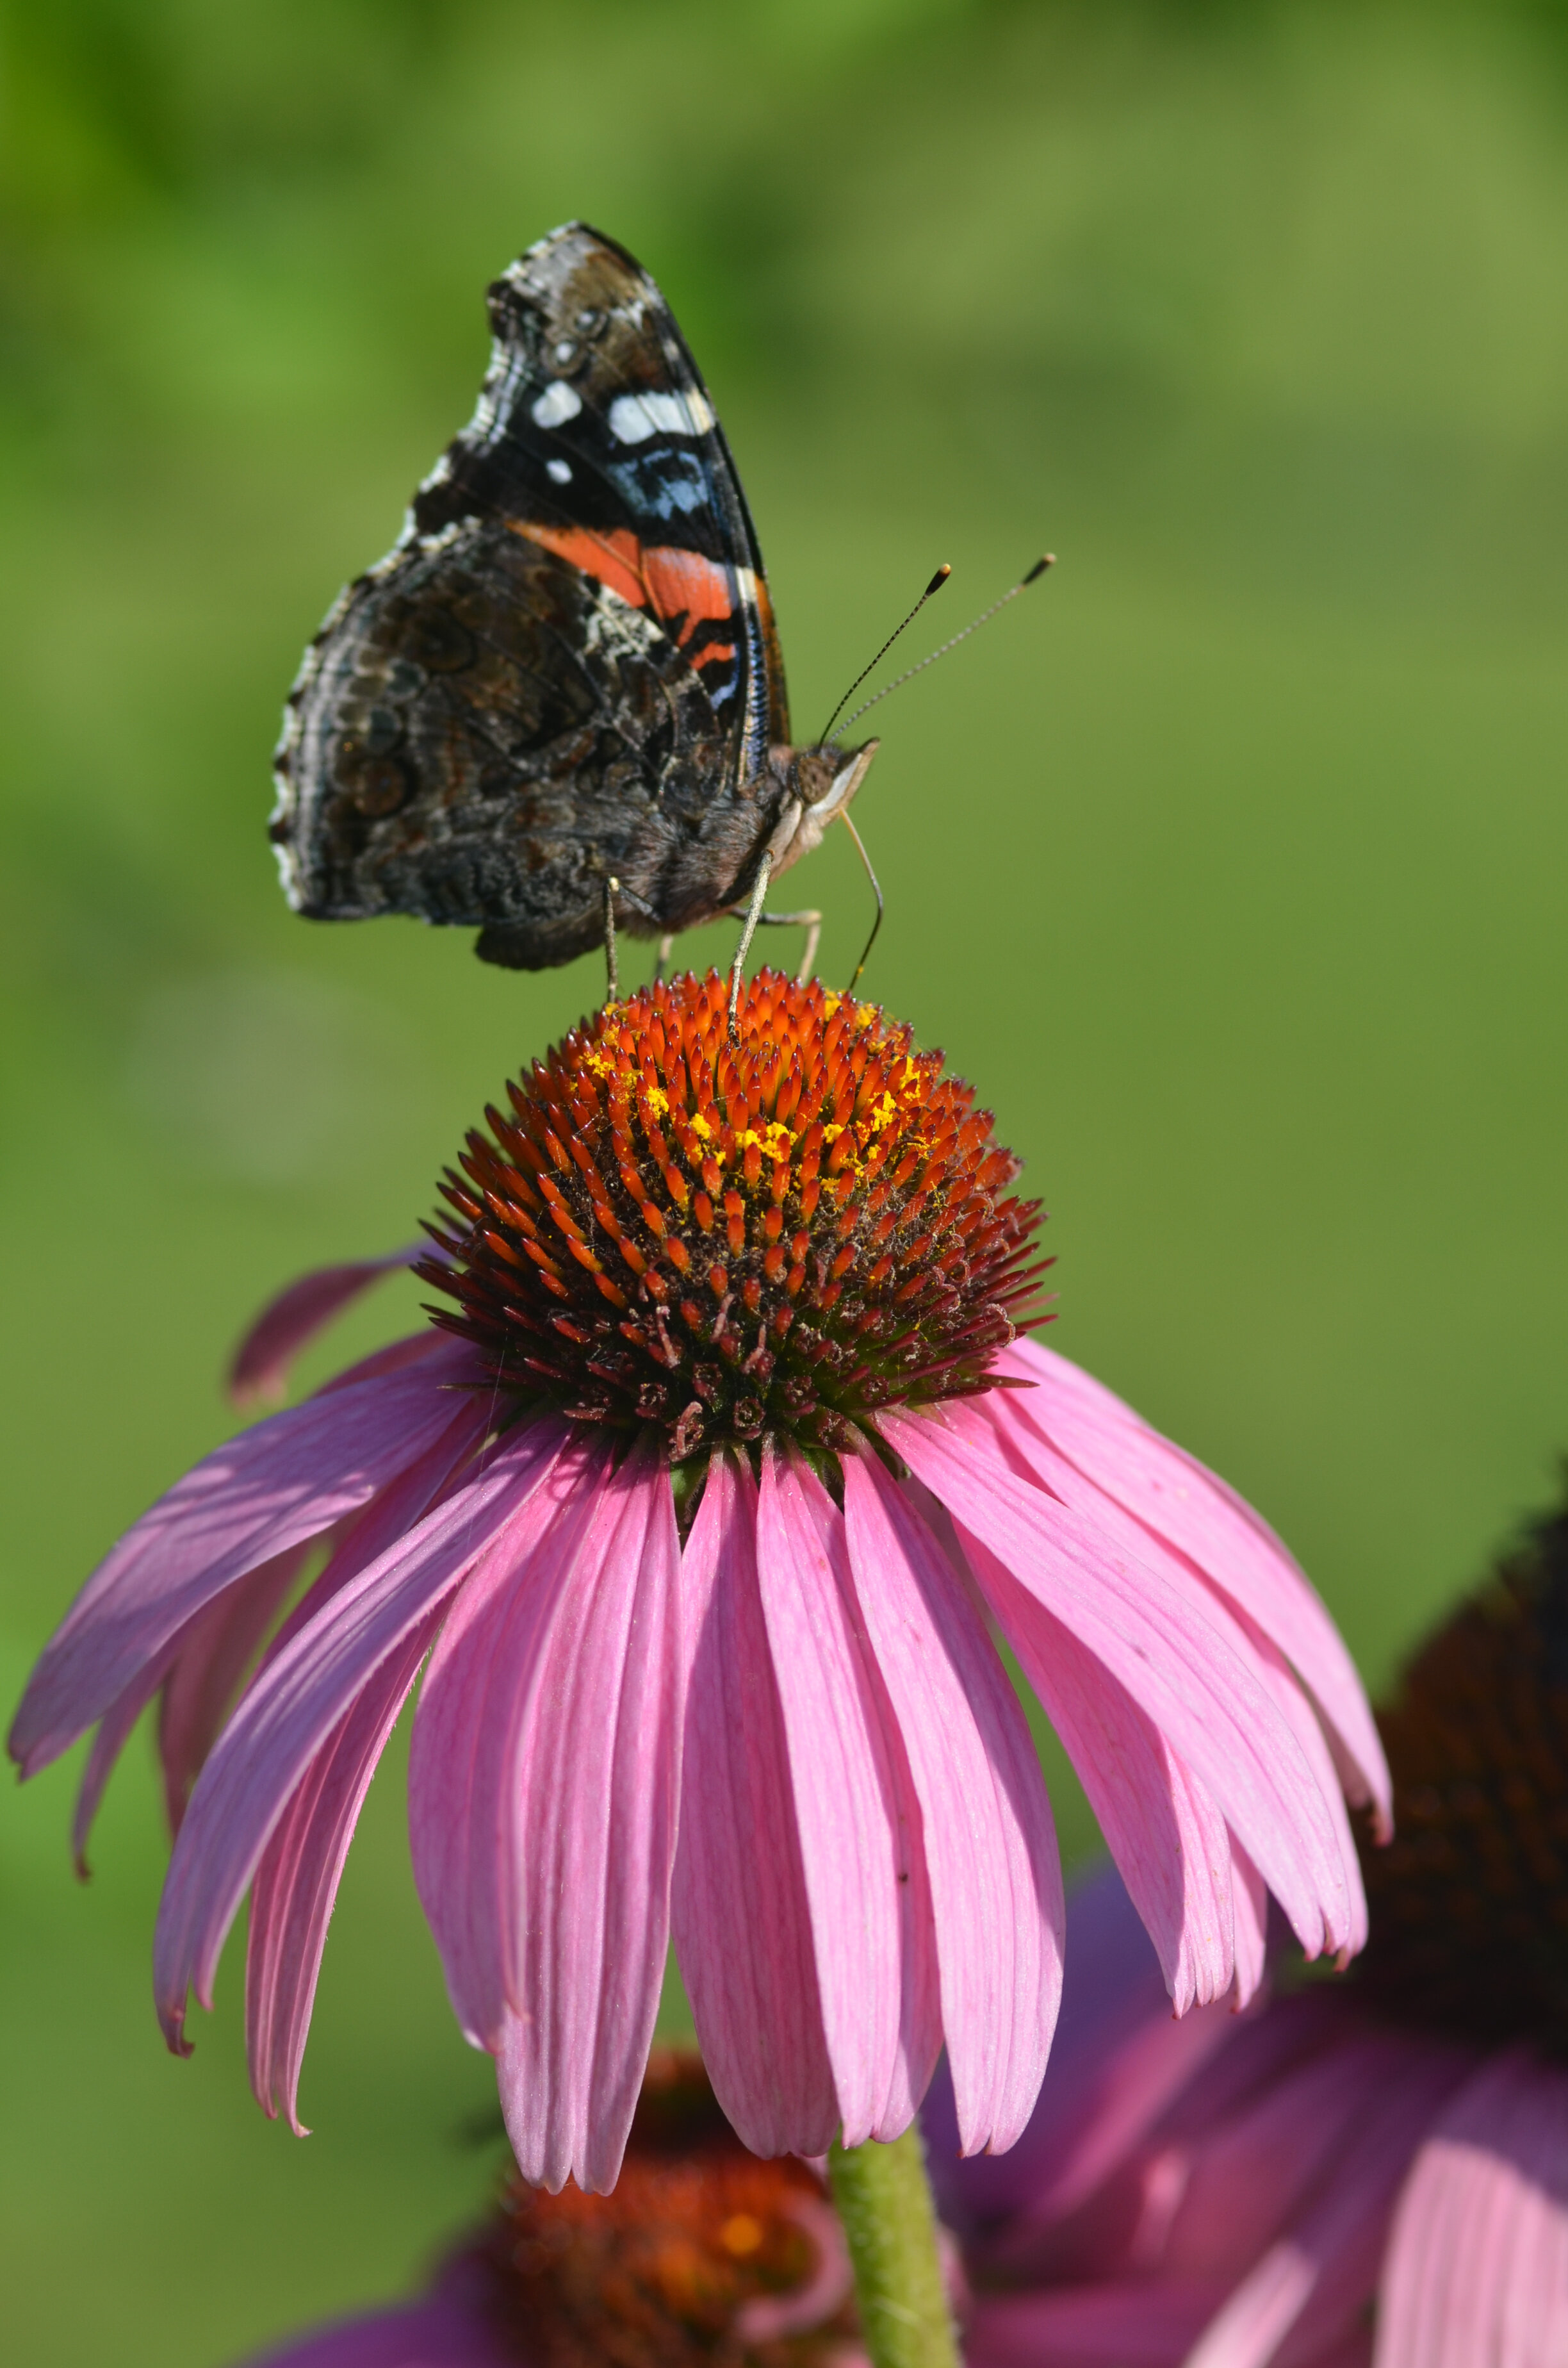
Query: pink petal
[
  {"x": 115, "y": 1729},
  {"x": 260, "y": 1369},
  {"x": 226, "y": 1633},
  {"x": 739, "y": 1908},
  {"x": 1118, "y": 2059},
  {"x": 544, "y": 1788},
  {"x": 1477, "y": 2266},
  {"x": 1257, "y": 2169},
  {"x": 1175, "y": 1664},
  {"x": 213, "y": 1653},
  {"x": 990, "y": 1843},
  {"x": 295, "y": 1886},
  {"x": 1311, "y": 2288},
  {"x": 1031, "y": 1454},
  {"x": 1195, "y": 1511},
  {"x": 300, "y": 1696},
  {"x": 1249, "y": 1904},
  {"x": 858, "y": 1812},
  {"x": 364, "y": 1536},
  {"x": 1131, "y": 2323},
  {"x": 464, "y": 1733},
  {"x": 443, "y": 2332},
  {"x": 273, "y": 1486},
  {"x": 1167, "y": 1839}
]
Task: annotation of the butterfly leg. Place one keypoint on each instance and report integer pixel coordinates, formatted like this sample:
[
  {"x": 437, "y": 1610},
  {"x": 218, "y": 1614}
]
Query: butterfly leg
[
  {"x": 810, "y": 922},
  {"x": 667, "y": 948},
  {"x": 612, "y": 967},
  {"x": 877, "y": 892},
  {"x": 754, "y": 914}
]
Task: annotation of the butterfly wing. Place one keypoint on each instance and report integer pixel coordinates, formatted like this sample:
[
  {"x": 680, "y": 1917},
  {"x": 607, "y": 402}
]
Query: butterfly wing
[{"x": 567, "y": 669}]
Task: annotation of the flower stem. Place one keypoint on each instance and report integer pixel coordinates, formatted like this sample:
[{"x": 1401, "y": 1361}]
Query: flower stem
[{"x": 884, "y": 2202}]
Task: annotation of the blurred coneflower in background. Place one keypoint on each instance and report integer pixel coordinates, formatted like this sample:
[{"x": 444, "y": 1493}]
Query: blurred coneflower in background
[{"x": 1368, "y": 2171}]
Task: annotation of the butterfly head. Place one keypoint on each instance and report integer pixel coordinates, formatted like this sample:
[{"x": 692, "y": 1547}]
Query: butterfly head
[{"x": 820, "y": 782}]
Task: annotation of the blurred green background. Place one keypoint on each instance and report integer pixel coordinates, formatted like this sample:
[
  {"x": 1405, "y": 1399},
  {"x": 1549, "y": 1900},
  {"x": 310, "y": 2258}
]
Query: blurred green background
[{"x": 1231, "y": 863}]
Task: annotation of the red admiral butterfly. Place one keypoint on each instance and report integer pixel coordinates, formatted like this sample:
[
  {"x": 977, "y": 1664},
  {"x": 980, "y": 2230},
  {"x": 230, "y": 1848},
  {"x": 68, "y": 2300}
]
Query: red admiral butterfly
[{"x": 557, "y": 706}]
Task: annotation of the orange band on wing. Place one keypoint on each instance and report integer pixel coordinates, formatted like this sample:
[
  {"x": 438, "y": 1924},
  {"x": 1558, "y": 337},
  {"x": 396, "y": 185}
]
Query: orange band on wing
[
  {"x": 672, "y": 582},
  {"x": 680, "y": 582},
  {"x": 616, "y": 559}
]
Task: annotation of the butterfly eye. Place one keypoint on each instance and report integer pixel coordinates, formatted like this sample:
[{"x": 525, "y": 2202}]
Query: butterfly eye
[{"x": 817, "y": 770}]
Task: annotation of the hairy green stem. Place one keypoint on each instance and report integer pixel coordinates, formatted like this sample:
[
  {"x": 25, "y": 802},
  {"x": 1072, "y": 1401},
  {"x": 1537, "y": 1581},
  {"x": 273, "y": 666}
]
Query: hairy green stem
[{"x": 884, "y": 2202}]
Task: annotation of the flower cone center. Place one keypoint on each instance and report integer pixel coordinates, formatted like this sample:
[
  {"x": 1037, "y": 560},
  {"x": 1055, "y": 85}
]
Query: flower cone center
[
  {"x": 781, "y": 1232},
  {"x": 700, "y": 2250},
  {"x": 1469, "y": 1902}
]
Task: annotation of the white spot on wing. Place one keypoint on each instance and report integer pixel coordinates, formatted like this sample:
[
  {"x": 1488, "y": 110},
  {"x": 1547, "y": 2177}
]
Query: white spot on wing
[
  {"x": 560, "y": 470},
  {"x": 634, "y": 418},
  {"x": 558, "y": 403}
]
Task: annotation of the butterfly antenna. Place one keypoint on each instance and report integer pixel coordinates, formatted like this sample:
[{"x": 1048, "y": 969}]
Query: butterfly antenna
[
  {"x": 1036, "y": 571},
  {"x": 935, "y": 584}
]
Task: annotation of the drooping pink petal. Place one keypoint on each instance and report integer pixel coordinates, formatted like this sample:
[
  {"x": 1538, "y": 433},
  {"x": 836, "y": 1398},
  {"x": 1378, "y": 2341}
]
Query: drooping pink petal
[
  {"x": 544, "y": 1789},
  {"x": 1313, "y": 2286},
  {"x": 1175, "y": 1662},
  {"x": 245, "y": 1609},
  {"x": 1165, "y": 1835},
  {"x": 1172, "y": 1846},
  {"x": 1254, "y": 2176},
  {"x": 464, "y": 1743},
  {"x": 593, "y": 1941},
  {"x": 1119, "y": 2058},
  {"x": 295, "y": 1886},
  {"x": 1249, "y": 1906},
  {"x": 444, "y": 2331},
  {"x": 739, "y": 1908},
  {"x": 361, "y": 1538},
  {"x": 1131, "y": 2323},
  {"x": 212, "y": 1653},
  {"x": 989, "y": 1840},
  {"x": 1477, "y": 2266},
  {"x": 858, "y": 1812},
  {"x": 1195, "y": 1511},
  {"x": 273, "y": 1486},
  {"x": 115, "y": 1729},
  {"x": 1036, "y": 1459},
  {"x": 298, "y": 1697},
  {"x": 261, "y": 1363}
]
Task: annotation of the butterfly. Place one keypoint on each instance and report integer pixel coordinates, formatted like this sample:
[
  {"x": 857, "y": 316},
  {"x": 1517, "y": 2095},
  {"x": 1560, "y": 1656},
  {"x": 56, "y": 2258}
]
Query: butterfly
[{"x": 557, "y": 707}]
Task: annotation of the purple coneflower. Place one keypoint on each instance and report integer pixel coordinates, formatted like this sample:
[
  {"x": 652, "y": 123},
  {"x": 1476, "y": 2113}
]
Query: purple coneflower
[
  {"x": 1373, "y": 2171},
  {"x": 703, "y": 1504},
  {"x": 702, "y": 2254}
]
